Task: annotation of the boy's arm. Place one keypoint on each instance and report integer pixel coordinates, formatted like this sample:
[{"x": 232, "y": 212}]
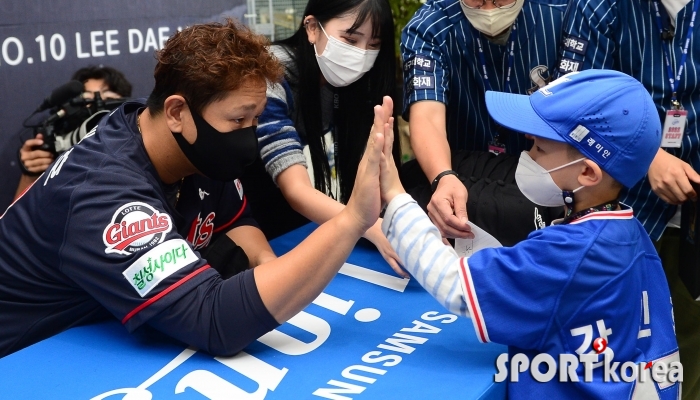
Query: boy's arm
[{"x": 419, "y": 245}]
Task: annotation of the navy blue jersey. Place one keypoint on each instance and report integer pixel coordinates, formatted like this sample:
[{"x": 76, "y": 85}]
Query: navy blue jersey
[
  {"x": 441, "y": 63},
  {"x": 624, "y": 36},
  {"x": 98, "y": 232},
  {"x": 210, "y": 208}
]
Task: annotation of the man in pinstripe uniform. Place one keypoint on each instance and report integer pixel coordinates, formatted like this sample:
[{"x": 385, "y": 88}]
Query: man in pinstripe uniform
[
  {"x": 453, "y": 51},
  {"x": 646, "y": 39}
]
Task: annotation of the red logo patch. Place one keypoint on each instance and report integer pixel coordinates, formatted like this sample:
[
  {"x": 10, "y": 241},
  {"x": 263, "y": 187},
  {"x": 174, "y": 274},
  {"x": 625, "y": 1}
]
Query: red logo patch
[
  {"x": 201, "y": 231},
  {"x": 134, "y": 227}
]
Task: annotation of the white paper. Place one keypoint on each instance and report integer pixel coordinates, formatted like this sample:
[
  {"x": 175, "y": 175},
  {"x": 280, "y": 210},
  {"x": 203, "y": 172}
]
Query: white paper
[{"x": 482, "y": 240}]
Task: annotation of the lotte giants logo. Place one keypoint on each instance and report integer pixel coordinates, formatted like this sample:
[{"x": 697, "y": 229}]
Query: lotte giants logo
[{"x": 134, "y": 227}]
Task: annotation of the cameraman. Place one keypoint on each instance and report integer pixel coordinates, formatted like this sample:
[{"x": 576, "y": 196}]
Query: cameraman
[{"x": 110, "y": 83}]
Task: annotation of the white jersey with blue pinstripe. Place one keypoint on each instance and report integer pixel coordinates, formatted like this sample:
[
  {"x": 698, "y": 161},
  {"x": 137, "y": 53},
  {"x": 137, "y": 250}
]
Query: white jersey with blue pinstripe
[
  {"x": 441, "y": 63},
  {"x": 623, "y": 35},
  {"x": 553, "y": 293}
]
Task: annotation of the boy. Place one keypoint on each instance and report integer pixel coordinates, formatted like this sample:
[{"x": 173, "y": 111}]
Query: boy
[{"x": 590, "y": 284}]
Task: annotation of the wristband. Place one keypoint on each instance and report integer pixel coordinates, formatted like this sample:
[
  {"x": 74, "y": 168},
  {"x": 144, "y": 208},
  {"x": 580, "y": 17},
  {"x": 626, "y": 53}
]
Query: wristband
[{"x": 434, "y": 185}]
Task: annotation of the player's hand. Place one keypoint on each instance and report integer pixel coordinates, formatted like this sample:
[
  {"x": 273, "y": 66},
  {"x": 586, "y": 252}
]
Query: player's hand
[
  {"x": 670, "y": 178},
  {"x": 35, "y": 161},
  {"x": 448, "y": 208},
  {"x": 364, "y": 204}
]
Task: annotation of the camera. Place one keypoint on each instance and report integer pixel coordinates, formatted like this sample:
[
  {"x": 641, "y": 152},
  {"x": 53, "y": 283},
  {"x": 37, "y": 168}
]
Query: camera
[{"x": 70, "y": 122}]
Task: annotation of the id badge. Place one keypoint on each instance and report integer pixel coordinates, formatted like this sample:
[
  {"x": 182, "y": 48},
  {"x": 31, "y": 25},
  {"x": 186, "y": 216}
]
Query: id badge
[
  {"x": 496, "y": 147},
  {"x": 674, "y": 127}
]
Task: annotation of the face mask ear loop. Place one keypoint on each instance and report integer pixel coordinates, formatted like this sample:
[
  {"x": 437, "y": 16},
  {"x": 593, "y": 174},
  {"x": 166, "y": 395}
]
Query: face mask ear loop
[
  {"x": 566, "y": 165},
  {"x": 324, "y": 31}
]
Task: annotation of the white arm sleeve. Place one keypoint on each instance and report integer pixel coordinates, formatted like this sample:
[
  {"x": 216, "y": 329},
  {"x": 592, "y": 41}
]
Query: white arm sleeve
[{"x": 422, "y": 252}]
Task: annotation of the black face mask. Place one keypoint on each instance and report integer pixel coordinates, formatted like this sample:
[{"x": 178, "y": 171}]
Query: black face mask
[{"x": 221, "y": 156}]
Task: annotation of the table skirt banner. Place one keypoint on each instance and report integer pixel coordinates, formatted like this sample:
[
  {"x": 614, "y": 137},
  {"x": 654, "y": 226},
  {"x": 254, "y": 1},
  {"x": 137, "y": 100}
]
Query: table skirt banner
[{"x": 369, "y": 335}]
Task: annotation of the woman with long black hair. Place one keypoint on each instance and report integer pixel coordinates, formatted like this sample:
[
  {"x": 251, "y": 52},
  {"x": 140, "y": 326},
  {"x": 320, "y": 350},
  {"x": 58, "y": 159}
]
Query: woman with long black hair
[{"x": 338, "y": 65}]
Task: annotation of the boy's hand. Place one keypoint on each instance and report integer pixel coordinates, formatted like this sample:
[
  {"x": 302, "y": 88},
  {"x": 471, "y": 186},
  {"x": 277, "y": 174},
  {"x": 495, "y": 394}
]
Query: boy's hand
[{"x": 390, "y": 185}]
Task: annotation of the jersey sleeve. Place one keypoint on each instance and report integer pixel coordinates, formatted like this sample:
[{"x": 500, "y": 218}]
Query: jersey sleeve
[
  {"x": 237, "y": 316},
  {"x": 513, "y": 292},
  {"x": 425, "y": 67},
  {"x": 123, "y": 249},
  {"x": 278, "y": 139},
  {"x": 589, "y": 36}
]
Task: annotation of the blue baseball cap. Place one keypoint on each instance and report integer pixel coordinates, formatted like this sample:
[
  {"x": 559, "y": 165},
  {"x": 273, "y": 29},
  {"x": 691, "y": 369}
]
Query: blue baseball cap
[{"x": 606, "y": 115}]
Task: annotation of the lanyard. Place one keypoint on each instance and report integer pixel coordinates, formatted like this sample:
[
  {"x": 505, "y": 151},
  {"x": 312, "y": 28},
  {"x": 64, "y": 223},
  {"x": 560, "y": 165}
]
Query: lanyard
[
  {"x": 607, "y": 206},
  {"x": 675, "y": 82},
  {"x": 511, "y": 57}
]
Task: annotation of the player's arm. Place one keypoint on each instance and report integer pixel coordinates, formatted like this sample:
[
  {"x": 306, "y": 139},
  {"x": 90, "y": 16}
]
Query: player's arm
[
  {"x": 426, "y": 78},
  {"x": 254, "y": 244}
]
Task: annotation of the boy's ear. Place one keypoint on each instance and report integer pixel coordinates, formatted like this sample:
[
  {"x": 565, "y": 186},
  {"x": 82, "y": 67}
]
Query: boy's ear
[{"x": 590, "y": 174}]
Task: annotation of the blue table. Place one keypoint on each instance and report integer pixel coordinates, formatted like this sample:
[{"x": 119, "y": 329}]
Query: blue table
[{"x": 370, "y": 335}]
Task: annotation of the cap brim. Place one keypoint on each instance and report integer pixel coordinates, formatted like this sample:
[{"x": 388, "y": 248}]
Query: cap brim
[{"x": 515, "y": 112}]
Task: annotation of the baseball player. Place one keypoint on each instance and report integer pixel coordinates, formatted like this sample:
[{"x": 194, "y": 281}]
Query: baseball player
[{"x": 114, "y": 226}]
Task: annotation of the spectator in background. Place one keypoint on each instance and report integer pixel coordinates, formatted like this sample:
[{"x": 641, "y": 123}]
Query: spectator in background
[
  {"x": 110, "y": 83},
  {"x": 338, "y": 64},
  {"x": 637, "y": 37},
  {"x": 453, "y": 51}
]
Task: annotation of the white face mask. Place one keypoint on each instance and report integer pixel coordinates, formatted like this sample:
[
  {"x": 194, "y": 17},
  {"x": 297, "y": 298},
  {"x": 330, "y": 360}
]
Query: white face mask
[
  {"x": 492, "y": 22},
  {"x": 537, "y": 184},
  {"x": 341, "y": 63}
]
